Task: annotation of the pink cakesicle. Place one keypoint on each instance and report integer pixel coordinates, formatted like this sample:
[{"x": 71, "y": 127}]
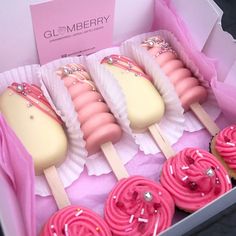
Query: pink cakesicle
[
  {"x": 138, "y": 206},
  {"x": 75, "y": 221},
  {"x": 191, "y": 93},
  {"x": 194, "y": 178},
  {"x": 99, "y": 126},
  {"x": 154, "y": 206}
]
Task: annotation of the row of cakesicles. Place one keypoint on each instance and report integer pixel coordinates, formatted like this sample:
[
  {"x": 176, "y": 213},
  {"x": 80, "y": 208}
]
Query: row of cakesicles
[{"x": 136, "y": 206}]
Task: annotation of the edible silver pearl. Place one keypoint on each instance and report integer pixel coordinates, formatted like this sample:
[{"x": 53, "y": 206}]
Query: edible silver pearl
[
  {"x": 210, "y": 172},
  {"x": 20, "y": 88},
  {"x": 148, "y": 196},
  {"x": 150, "y": 43},
  {"x": 109, "y": 60}
]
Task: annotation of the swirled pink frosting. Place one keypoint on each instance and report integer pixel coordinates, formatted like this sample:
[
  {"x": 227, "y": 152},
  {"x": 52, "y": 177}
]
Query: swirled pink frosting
[
  {"x": 138, "y": 206},
  {"x": 226, "y": 145},
  {"x": 75, "y": 221},
  {"x": 194, "y": 177}
]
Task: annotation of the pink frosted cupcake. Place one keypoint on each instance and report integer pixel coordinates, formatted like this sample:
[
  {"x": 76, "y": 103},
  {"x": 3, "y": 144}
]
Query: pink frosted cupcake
[
  {"x": 138, "y": 206},
  {"x": 223, "y": 146},
  {"x": 194, "y": 178},
  {"x": 75, "y": 221}
]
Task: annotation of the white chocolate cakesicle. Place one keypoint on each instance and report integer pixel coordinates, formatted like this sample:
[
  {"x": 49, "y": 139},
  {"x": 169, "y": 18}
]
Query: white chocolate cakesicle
[
  {"x": 39, "y": 131},
  {"x": 145, "y": 106}
]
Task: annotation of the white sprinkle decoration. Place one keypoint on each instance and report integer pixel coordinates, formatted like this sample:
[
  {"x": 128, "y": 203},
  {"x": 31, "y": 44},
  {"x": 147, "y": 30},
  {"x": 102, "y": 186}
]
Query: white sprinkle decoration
[
  {"x": 79, "y": 213},
  {"x": 155, "y": 228},
  {"x": 184, "y": 167},
  {"x": 66, "y": 230},
  {"x": 198, "y": 153},
  {"x": 142, "y": 211},
  {"x": 231, "y": 144},
  {"x": 128, "y": 229},
  {"x": 184, "y": 178},
  {"x": 142, "y": 220},
  {"x": 231, "y": 127},
  {"x": 228, "y": 179},
  {"x": 202, "y": 194},
  {"x": 54, "y": 234},
  {"x": 159, "y": 193},
  {"x": 131, "y": 219},
  {"x": 171, "y": 170},
  {"x": 114, "y": 197},
  {"x": 52, "y": 226},
  {"x": 217, "y": 167}
]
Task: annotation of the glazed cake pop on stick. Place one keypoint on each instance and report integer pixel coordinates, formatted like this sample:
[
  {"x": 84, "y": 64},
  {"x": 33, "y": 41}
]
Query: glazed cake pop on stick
[
  {"x": 139, "y": 205},
  {"x": 190, "y": 92},
  {"x": 145, "y": 105},
  {"x": 223, "y": 146},
  {"x": 98, "y": 125},
  {"x": 194, "y": 178},
  {"x": 31, "y": 117}
]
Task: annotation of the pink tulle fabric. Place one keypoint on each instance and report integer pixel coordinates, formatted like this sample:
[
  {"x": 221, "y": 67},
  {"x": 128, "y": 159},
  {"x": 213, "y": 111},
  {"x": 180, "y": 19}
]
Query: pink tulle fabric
[{"x": 17, "y": 175}]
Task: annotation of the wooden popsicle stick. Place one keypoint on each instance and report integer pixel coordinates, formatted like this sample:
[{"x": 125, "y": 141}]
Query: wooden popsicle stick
[
  {"x": 56, "y": 187},
  {"x": 113, "y": 159},
  {"x": 205, "y": 119},
  {"x": 161, "y": 141}
]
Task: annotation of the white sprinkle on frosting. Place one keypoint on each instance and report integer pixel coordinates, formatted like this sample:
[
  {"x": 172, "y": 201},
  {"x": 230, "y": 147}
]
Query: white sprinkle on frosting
[
  {"x": 142, "y": 211},
  {"x": 231, "y": 144},
  {"x": 184, "y": 167},
  {"x": 131, "y": 219},
  {"x": 128, "y": 229},
  {"x": 171, "y": 170},
  {"x": 79, "y": 212},
  {"x": 198, "y": 153},
  {"x": 66, "y": 230},
  {"x": 156, "y": 227},
  {"x": 184, "y": 178},
  {"x": 142, "y": 220},
  {"x": 228, "y": 179}
]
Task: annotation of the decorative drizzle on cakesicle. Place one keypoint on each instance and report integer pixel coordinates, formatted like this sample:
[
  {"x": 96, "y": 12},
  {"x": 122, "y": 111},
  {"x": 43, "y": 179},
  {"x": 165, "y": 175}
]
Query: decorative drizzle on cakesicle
[{"x": 194, "y": 177}]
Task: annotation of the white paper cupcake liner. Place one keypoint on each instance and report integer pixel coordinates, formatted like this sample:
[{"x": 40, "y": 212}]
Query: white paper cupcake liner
[
  {"x": 133, "y": 48},
  {"x": 96, "y": 163},
  {"x": 172, "y": 122}
]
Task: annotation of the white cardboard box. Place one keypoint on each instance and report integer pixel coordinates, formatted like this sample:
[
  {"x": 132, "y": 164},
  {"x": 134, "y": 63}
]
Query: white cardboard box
[{"x": 15, "y": 20}]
